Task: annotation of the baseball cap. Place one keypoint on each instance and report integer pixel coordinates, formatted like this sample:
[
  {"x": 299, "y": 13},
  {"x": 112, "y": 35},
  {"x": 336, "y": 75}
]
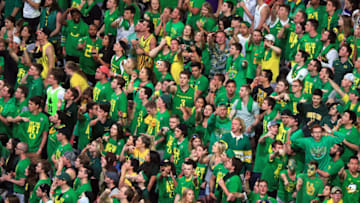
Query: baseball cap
[
  {"x": 105, "y": 70},
  {"x": 349, "y": 76},
  {"x": 270, "y": 37},
  {"x": 64, "y": 176},
  {"x": 165, "y": 162},
  {"x": 113, "y": 176},
  {"x": 272, "y": 123},
  {"x": 335, "y": 189},
  {"x": 71, "y": 156}
]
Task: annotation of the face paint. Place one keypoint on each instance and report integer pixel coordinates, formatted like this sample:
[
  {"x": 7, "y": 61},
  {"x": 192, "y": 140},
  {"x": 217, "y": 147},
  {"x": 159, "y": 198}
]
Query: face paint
[
  {"x": 311, "y": 170},
  {"x": 292, "y": 165}
]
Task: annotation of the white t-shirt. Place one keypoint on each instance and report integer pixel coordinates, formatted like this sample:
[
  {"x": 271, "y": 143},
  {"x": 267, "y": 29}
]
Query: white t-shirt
[{"x": 29, "y": 11}]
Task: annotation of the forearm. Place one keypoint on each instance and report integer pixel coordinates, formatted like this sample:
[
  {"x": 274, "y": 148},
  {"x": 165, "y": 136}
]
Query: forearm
[
  {"x": 43, "y": 141},
  {"x": 15, "y": 11},
  {"x": 20, "y": 182}
]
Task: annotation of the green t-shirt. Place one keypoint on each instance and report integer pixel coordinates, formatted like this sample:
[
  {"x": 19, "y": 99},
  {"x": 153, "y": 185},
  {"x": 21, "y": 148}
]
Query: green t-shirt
[
  {"x": 352, "y": 135},
  {"x": 61, "y": 149},
  {"x": 52, "y": 142},
  {"x": 67, "y": 197},
  {"x": 116, "y": 63},
  {"x": 20, "y": 173},
  {"x": 333, "y": 170},
  {"x": 180, "y": 151},
  {"x": 33, "y": 197},
  {"x": 169, "y": 143},
  {"x": 312, "y": 45},
  {"x": 102, "y": 92},
  {"x": 137, "y": 124},
  {"x": 184, "y": 183},
  {"x": 219, "y": 172},
  {"x": 74, "y": 32},
  {"x": 271, "y": 171},
  {"x": 262, "y": 152},
  {"x": 254, "y": 55},
  {"x": 236, "y": 71},
  {"x": 267, "y": 118},
  {"x": 160, "y": 120},
  {"x": 174, "y": 30},
  {"x": 202, "y": 84},
  {"x": 191, "y": 18},
  {"x": 310, "y": 84},
  {"x": 318, "y": 14},
  {"x": 87, "y": 63},
  {"x": 317, "y": 151},
  {"x": 114, "y": 146},
  {"x": 255, "y": 197},
  {"x": 208, "y": 23},
  {"x": 33, "y": 130},
  {"x": 118, "y": 103},
  {"x": 350, "y": 188},
  {"x": 310, "y": 189},
  {"x": 292, "y": 40},
  {"x": 83, "y": 131},
  {"x": 285, "y": 192},
  {"x": 36, "y": 87},
  {"x": 166, "y": 189},
  {"x": 108, "y": 19},
  {"x": 233, "y": 184},
  {"x": 182, "y": 99},
  {"x": 6, "y": 109},
  {"x": 83, "y": 188}
]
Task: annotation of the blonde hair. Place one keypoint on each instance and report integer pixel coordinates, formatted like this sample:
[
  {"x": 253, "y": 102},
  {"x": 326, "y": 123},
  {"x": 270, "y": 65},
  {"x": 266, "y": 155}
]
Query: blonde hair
[
  {"x": 184, "y": 194},
  {"x": 242, "y": 124}
]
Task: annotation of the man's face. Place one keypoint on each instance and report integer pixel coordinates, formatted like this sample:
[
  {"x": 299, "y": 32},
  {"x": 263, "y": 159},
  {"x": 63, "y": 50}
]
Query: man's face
[
  {"x": 274, "y": 129},
  {"x": 353, "y": 165},
  {"x": 316, "y": 100},
  {"x": 308, "y": 27},
  {"x": 324, "y": 36},
  {"x": 92, "y": 31},
  {"x": 243, "y": 92},
  {"x": 265, "y": 105},
  {"x": 32, "y": 106},
  {"x": 291, "y": 165},
  {"x": 5, "y": 92},
  {"x": 298, "y": 57},
  {"x": 235, "y": 126},
  {"x": 257, "y": 36},
  {"x": 220, "y": 38},
  {"x": 195, "y": 72},
  {"x": 333, "y": 150},
  {"x": 283, "y": 13},
  {"x": 82, "y": 172},
  {"x": 184, "y": 79},
  {"x": 346, "y": 118},
  {"x": 263, "y": 188},
  {"x": 174, "y": 46},
  {"x": 311, "y": 170},
  {"x": 223, "y": 111},
  {"x": 343, "y": 51},
  {"x": 128, "y": 15},
  {"x": 188, "y": 170},
  {"x": 230, "y": 88},
  {"x": 316, "y": 134},
  {"x": 76, "y": 17},
  {"x": 98, "y": 74},
  {"x": 173, "y": 122},
  {"x": 68, "y": 94},
  {"x": 330, "y": 6},
  {"x": 175, "y": 13},
  {"x": 298, "y": 18}
]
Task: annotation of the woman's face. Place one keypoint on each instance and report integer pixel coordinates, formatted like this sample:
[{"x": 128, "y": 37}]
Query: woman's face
[
  {"x": 8, "y": 24},
  {"x": 130, "y": 141},
  {"x": 113, "y": 130},
  {"x": 204, "y": 11},
  {"x": 143, "y": 75},
  {"x": 187, "y": 30},
  {"x": 25, "y": 32},
  {"x": 197, "y": 37},
  {"x": 93, "y": 147},
  {"x": 190, "y": 196},
  {"x": 341, "y": 21},
  {"x": 48, "y": 3},
  {"x": 196, "y": 142},
  {"x": 199, "y": 103},
  {"x": 208, "y": 110},
  {"x": 155, "y": 5},
  {"x": 105, "y": 41},
  {"x": 9, "y": 144}
]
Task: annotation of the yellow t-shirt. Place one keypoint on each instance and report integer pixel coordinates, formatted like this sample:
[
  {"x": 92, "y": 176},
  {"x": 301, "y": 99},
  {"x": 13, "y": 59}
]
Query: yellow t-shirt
[
  {"x": 78, "y": 80},
  {"x": 140, "y": 156}
]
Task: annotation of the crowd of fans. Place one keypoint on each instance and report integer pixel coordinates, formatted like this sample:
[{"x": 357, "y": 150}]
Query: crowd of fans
[{"x": 179, "y": 101}]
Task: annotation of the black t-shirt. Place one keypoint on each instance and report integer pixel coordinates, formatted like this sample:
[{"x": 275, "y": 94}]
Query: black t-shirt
[{"x": 94, "y": 14}]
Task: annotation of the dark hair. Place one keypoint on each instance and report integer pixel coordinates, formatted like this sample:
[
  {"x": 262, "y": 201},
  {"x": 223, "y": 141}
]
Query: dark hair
[
  {"x": 105, "y": 107},
  {"x": 230, "y": 81},
  {"x": 150, "y": 104},
  {"x": 74, "y": 92},
  {"x": 135, "y": 164},
  {"x": 45, "y": 165},
  {"x": 10, "y": 89},
  {"x": 45, "y": 188},
  {"x": 89, "y": 171},
  {"x": 268, "y": 74},
  {"x": 120, "y": 81},
  {"x": 24, "y": 89},
  {"x": 341, "y": 149},
  {"x": 186, "y": 72},
  {"x": 304, "y": 54},
  {"x": 221, "y": 77},
  {"x": 287, "y": 7},
  {"x": 196, "y": 64},
  {"x": 226, "y": 21},
  {"x": 317, "y": 64},
  {"x": 238, "y": 164},
  {"x": 352, "y": 116},
  {"x": 348, "y": 48},
  {"x": 271, "y": 101},
  {"x": 58, "y": 74},
  {"x": 329, "y": 72},
  {"x": 148, "y": 91},
  {"x": 318, "y": 92},
  {"x": 146, "y": 141},
  {"x": 190, "y": 162},
  {"x": 276, "y": 142},
  {"x": 336, "y": 3},
  {"x": 314, "y": 23},
  {"x": 230, "y": 4},
  {"x": 150, "y": 25},
  {"x": 130, "y": 8},
  {"x": 120, "y": 131},
  {"x": 313, "y": 162},
  {"x": 353, "y": 157},
  {"x": 12, "y": 198},
  {"x": 37, "y": 100},
  {"x": 237, "y": 46},
  {"x": 332, "y": 36},
  {"x": 38, "y": 67},
  {"x": 11, "y": 19}
]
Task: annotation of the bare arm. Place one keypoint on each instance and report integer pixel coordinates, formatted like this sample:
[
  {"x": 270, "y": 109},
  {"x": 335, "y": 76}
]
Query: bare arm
[
  {"x": 43, "y": 141},
  {"x": 58, "y": 25},
  {"x": 265, "y": 12},
  {"x": 336, "y": 88},
  {"x": 33, "y": 4}
]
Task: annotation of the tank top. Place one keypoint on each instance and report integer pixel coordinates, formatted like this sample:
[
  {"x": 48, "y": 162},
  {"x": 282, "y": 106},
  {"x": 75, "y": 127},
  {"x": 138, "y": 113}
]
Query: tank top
[
  {"x": 143, "y": 60},
  {"x": 258, "y": 15},
  {"x": 44, "y": 60}
]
